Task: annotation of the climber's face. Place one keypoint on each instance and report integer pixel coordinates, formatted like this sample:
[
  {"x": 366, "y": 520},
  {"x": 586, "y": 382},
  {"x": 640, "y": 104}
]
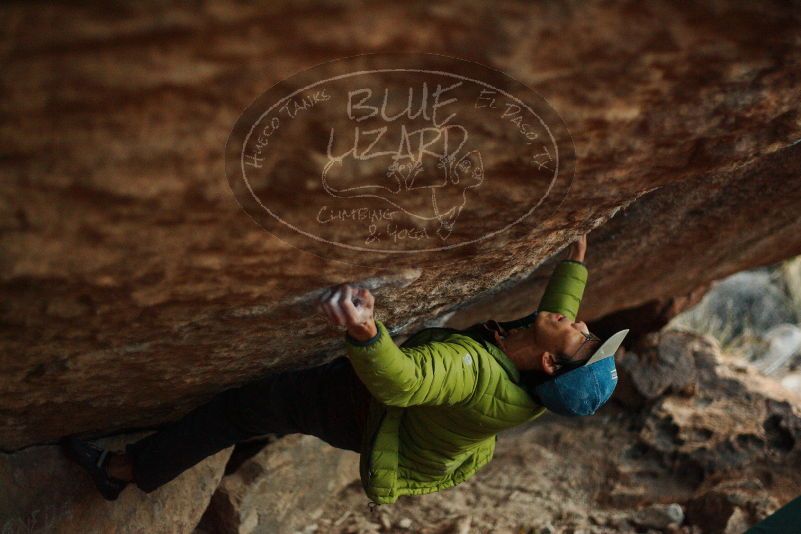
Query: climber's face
[{"x": 558, "y": 335}]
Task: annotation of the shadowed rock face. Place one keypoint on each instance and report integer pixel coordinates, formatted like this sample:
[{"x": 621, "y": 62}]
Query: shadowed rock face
[
  {"x": 297, "y": 474},
  {"x": 134, "y": 287},
  {"x": 42, "y": 491}
]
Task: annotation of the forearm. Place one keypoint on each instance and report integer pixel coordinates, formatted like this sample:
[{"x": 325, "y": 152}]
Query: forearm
[
  {"x": 565, "y": 289},
  {"x": 436, "y": 373},
  {"x": 381, "y": 365}
]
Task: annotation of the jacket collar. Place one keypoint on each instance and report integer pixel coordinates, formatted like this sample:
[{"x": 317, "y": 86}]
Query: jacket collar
[
  {"x": 499, "y": 332},
  {"x": 523, "y": 322}
]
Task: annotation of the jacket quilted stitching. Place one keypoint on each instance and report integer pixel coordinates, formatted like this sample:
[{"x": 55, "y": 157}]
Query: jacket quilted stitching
[{"x": 440, "y": 399}]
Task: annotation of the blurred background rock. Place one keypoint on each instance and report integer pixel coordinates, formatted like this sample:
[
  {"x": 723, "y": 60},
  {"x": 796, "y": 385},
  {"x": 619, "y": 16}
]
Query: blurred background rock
[{"x": 755, "y": 315}]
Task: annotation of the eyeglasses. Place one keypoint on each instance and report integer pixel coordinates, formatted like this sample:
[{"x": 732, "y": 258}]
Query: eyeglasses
[
  {"x": 589, "y": 336},
  {"x": 573, "y": 364}
]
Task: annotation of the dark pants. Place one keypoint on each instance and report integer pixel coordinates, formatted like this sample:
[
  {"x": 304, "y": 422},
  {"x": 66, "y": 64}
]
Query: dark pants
[{"x": 327, "y": 401}]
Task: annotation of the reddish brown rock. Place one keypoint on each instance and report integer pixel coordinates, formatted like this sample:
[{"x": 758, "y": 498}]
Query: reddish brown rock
[
  {"x": 134, "y": 288},
  {"x": 645, "y": 318}
]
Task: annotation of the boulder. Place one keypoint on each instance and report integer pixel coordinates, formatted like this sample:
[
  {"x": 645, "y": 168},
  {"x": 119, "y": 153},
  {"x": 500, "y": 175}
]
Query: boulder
[
  {"x": 134, "y": 287},
  {"x": 44, "y": 491},
  {"x": 731, "y": 507},
  {"x": 746, "y": 302},
  {"x": 646, "y": 318},
  {"x": 658, "y": 364},
  {"x": 282, "y": 488},
  {"x": 739, "y": 432}
]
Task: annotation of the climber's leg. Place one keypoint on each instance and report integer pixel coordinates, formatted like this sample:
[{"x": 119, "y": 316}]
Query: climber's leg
[
  {"x": 327, "y": 401},
  {"x": 334, "y": 405}
]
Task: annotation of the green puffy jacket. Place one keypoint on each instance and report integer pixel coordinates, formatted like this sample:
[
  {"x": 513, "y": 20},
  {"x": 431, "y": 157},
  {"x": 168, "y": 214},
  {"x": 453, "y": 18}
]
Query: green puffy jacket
[{"x": 440, "y": 399}]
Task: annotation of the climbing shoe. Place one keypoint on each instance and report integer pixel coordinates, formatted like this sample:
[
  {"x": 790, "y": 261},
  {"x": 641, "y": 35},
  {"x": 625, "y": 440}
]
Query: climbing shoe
[{"x": 94, "y": 460}]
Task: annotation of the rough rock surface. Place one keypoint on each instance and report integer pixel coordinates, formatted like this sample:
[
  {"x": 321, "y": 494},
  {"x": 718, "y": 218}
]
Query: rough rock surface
[
  {"x": 720, "y": 458},
  {"x": 280, "y": 489},
  {"x": 42, "y": 491},
  {"x": 648, "y": 317},
  {"x": 134, "y": 284},
  {"x": 659, "y": 363}
]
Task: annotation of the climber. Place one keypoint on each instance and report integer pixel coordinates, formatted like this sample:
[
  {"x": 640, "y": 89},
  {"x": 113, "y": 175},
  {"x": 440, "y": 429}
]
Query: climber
[{"x": 424, "y": 416}]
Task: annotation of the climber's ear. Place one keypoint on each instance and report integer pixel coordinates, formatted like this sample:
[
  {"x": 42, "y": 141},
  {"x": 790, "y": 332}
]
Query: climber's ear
[{"x": 548, "y": 363}]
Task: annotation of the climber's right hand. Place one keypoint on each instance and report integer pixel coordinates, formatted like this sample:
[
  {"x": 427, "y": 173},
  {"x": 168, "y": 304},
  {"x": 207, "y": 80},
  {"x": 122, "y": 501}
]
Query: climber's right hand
[{"x": 351, "y": 307}]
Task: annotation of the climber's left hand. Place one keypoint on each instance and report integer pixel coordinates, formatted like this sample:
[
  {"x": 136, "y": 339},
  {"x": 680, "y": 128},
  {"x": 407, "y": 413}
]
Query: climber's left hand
[{"x": 578, "y": 248}]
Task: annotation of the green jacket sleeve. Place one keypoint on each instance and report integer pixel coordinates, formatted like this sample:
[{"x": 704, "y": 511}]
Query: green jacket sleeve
[
  {"x": 565, "y": 289},
  {"x": 436, "y": 373}
]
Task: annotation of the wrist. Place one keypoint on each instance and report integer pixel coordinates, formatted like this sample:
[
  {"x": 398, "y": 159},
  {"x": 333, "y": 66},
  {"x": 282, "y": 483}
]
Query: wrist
[
  {"x": 574, "y": 256},
  {"x": 364, "y": 331}
]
